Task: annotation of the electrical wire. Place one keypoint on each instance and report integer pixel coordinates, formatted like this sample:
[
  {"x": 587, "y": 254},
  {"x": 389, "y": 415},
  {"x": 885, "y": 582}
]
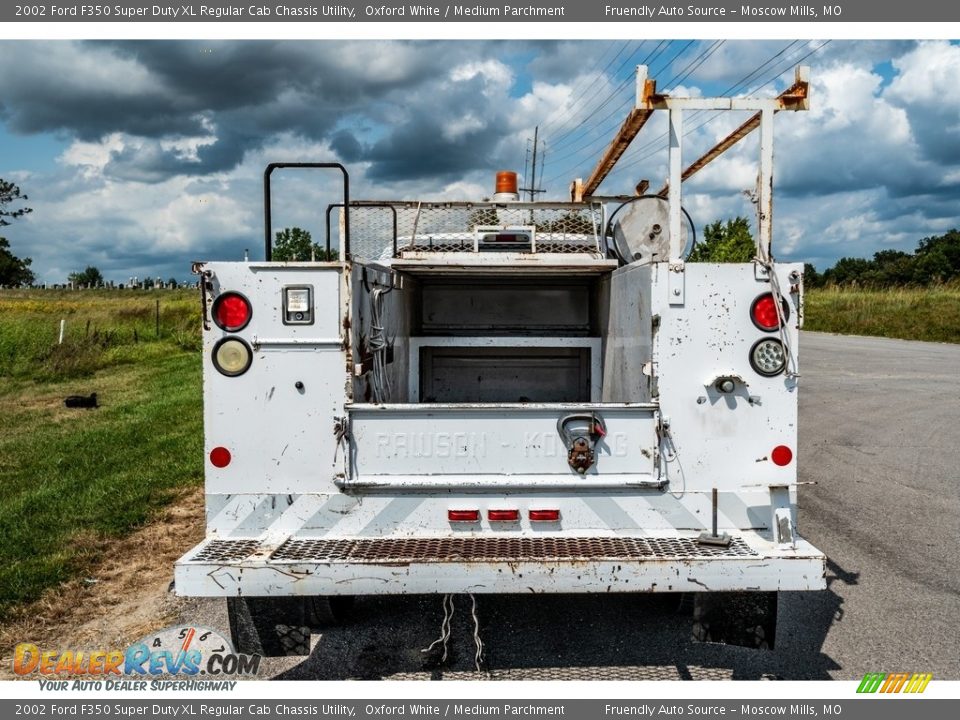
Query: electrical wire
[
  {"x": 444, "y": 639},
  {"x": 380, "y": 380},
  {"x": 478, "y": 657}
]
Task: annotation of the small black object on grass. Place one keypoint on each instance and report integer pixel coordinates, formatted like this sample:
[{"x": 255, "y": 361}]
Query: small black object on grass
[{"x": 81, "y": 401}]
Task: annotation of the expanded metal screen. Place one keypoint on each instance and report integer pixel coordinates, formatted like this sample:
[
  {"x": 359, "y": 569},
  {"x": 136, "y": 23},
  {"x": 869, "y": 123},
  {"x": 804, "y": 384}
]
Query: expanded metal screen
[{"x": 383, "y": 230}]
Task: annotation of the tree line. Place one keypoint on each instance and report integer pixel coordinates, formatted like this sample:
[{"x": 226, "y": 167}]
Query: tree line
[{"x": 936, "y": 259}]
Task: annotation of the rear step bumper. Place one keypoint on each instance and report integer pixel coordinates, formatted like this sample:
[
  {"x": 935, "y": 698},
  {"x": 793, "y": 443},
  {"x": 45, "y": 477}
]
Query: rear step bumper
[{"x": 560, "y": 564}]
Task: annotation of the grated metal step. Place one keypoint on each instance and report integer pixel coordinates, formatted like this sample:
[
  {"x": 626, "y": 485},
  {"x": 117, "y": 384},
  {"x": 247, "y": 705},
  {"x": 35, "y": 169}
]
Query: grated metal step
[{"x": 473, "y": 549}]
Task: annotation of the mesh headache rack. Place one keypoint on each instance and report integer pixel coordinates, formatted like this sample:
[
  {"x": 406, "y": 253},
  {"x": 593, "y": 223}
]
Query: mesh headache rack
[{"x": 381, "y": 230}]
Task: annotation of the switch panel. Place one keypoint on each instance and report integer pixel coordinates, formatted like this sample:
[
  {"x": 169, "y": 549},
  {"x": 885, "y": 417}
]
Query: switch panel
[{"x": 298, "y": 305}]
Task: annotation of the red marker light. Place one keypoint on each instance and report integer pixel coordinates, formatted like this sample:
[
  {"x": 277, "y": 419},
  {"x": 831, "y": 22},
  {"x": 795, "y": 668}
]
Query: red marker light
[
  {"x": 503, "y": 515},
  {"x": 231, "y": 311},
  {"x": 220, "y": 457},
  {"x": 781, "y": 455},
  {"x": 544, "y": 515},
  {"x": 469, "y": 516},
  {"x": 763, "y": 312}
]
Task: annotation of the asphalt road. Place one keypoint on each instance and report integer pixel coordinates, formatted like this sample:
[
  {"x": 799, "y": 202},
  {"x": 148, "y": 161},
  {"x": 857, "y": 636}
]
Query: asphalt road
[{"x": 880, "y": 436}]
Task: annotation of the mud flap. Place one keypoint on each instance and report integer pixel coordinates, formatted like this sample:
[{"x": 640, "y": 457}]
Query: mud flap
[
  {"x": 270, "y": 627},
  {"x": 748, "y": 619}
]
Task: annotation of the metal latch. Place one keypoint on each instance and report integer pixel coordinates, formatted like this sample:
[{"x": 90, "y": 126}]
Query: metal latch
[{"x": 580, "y": 444}]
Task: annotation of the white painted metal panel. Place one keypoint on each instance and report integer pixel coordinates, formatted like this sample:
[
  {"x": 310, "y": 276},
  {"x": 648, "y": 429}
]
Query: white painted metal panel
[
  {"x": 517, "y": 439},
  {"x": 722, "y": 440},
  {"x": 770, "y": 569},
  {"x": 280, "y": 434}
]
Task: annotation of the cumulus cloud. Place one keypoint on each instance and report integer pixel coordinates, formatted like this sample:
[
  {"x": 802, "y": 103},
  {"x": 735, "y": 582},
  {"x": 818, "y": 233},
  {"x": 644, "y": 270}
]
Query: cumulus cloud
[{"x": 163, "y": 143}]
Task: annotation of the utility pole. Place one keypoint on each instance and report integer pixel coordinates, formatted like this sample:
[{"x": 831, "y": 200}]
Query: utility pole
[{"x": 533, "y": 190}]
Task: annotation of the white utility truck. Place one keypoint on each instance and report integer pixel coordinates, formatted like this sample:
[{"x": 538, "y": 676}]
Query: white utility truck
[{"x": 506, "y": 397}]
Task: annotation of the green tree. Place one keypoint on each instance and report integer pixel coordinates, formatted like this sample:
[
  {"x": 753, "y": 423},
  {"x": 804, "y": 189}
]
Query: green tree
[
  {"x": 297, "y": 244},
  {"x": 90, "y": 276},
  {"x": 10, "y": 193},
  {"x": 13, "y": 270},
  {"x": 848, "y": 271},
  {"x": 890, "y": 267},
  {"x": 811, "y": 278},
  {"x": 730, "y": 242},
  {"x": 938, "y": 258}
]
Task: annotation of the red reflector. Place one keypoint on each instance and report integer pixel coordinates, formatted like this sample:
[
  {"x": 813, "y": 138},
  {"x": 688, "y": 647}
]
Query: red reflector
[
  {"x": 220, "y": 457},
  {"x": 503, "y": 515},
  {"x": 781, "y": 455},
  {"x": 764, "y": 312},
  {"x": 544, "y": 515},
  {"x": 231, "y": 311},
  {"x": 463, "y": 515}
]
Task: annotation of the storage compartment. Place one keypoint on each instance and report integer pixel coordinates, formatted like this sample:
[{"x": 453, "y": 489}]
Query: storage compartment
[
  {"x": 504, "y": 374},
  {"x": 512, "y": 338},
  {"x": 506, "y": 306}
]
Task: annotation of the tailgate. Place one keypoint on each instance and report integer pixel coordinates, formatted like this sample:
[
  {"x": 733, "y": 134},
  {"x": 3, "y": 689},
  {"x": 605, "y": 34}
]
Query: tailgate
[{"x": 504, "y": 446}]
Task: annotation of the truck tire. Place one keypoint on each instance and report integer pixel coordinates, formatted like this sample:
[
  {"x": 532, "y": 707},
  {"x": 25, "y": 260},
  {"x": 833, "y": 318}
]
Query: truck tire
[
  {"x": 270, "y": 627},
  {"x": 747, "y": 619},
  {"x": 325, "y": 611}
]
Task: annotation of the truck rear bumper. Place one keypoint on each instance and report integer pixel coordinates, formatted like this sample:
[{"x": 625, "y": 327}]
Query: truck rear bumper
[{"x": 557, "y": 564}]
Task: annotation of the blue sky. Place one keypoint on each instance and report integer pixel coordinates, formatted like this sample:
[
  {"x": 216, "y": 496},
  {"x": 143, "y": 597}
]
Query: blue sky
[{"x": 140, "y": 156}]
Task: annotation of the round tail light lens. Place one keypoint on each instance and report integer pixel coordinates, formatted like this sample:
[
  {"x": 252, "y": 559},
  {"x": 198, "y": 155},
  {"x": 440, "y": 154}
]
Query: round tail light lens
[
  {"x": 232, "y": 356},
  {"x": 220, "y": 457},
  {"x": 763, "y": 312},
  {"x": 767, "y": 357},
  {"x": 231, "y": 311},
  {"x": 781, "y": 455}
]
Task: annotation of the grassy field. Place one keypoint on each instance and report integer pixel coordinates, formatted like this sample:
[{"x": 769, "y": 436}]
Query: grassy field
[
  {"x": 74, "y": 482},
  {"x": 909, "y": 313}
]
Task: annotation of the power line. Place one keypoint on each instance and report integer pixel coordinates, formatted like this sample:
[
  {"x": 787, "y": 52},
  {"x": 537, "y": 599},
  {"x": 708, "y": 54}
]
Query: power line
[
  {"x": 587, "y": 84},
  {"x": 682, "y": 75}
]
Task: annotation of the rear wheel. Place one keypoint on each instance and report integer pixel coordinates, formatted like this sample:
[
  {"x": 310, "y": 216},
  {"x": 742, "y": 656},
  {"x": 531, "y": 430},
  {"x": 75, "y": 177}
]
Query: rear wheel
[
  {"x": 271, "y": 627},
  {"x": 748, "y": 619},
  {"x": 327, "y": 610}
]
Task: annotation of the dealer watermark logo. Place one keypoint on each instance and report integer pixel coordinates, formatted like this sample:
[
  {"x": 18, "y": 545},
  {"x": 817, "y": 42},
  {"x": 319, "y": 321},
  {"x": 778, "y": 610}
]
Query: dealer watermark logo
[
  {"x": 894, "y": 682},
  {"x": 175, "y": 651}
]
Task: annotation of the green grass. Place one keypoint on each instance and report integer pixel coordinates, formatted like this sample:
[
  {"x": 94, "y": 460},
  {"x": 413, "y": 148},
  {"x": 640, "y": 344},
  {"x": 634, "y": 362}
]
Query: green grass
[
  {"x": 103, "y": 328},
  {"x": 909, "y": 313},
  {"x": 73, "y": 482}
]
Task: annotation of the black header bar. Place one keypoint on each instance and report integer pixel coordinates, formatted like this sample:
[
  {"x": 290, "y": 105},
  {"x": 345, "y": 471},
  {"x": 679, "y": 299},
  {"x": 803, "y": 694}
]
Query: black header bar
[{"x": 615, "y": 12}]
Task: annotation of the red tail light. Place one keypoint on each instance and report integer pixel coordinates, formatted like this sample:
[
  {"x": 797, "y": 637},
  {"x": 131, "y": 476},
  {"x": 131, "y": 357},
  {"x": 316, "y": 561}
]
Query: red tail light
[
  {"x": 544, "y": 515},
  {"x": 220, "y": 457},
  {"x": 503, "y": 515},
  {"x": 781, "y": 455},
  {"x": 763, "y": 312},
  {"x": 231, "y": 311},
  {"x": 469, "y": 516}
]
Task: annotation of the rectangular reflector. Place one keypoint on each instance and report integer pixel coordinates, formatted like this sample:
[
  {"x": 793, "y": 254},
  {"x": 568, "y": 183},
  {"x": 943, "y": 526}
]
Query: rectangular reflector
[
  {"x": 544, "y": 515},
  {"x": 503, "y": 515},
  {"x": 463, "y": 515}
]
